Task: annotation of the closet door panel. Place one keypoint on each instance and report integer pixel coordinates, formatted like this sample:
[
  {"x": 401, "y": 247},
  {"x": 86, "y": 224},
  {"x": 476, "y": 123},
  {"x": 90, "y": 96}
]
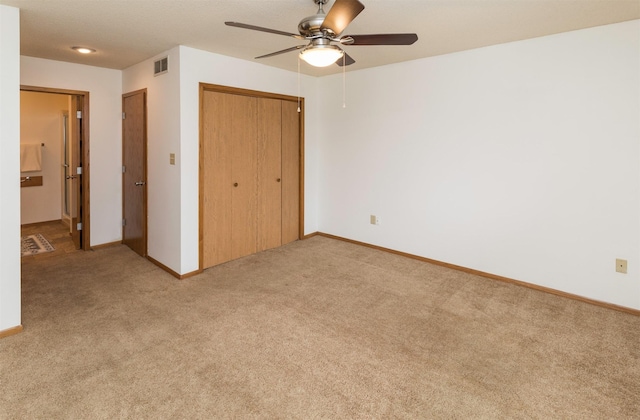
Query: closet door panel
[
  {"x": 269, "y": 174},
  {"x": 216, "y": 174},
  {"x": 229, "y": 177},
  {"x": 244, "y": 176},
  {"x": 290, "y": 172}
]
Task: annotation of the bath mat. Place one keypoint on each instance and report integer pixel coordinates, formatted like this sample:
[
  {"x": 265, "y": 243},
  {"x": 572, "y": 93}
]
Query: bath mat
[{"x": 35, "y": 244}]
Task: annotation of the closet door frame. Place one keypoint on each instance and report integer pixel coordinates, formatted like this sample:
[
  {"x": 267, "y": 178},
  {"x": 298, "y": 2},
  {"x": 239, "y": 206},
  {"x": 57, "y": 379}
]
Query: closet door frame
[{"x": 257, "y": 94}]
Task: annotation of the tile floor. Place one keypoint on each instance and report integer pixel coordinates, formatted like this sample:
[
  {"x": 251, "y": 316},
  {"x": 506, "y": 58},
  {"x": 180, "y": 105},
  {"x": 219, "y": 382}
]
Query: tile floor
[{"x": 56, "y": 232}]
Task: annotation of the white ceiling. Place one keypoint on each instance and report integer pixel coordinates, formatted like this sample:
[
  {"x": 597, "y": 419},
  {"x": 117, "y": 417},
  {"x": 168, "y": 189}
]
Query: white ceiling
[{"x": 126, "y": 32}]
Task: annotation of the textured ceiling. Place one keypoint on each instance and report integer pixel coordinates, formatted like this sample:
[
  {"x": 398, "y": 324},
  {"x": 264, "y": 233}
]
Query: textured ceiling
[{"x": 127, "y": 32}]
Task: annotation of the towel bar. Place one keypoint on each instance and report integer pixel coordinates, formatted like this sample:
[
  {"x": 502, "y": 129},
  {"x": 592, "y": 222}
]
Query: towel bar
[{"x": 30, "y": 181}]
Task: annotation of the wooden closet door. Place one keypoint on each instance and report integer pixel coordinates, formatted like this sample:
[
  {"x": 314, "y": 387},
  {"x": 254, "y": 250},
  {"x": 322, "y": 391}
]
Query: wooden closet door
[
  {"x": 229, "y": 177},
  {"x": 290, "y": 172},
  {"x": 244, "y": 222},
  {"x": 269, "y": 174},
  {"x": 250, "y": 174}
]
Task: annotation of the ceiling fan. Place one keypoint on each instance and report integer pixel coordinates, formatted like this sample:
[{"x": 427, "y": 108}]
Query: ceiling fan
[{"x": 323, "y": 28}]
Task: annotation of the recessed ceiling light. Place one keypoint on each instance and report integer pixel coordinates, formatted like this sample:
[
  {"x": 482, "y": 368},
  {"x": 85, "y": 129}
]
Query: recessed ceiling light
[{"x": 84, "y": 50}]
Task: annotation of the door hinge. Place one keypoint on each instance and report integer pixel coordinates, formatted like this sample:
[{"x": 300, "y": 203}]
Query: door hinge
[
  {"x": 123, "y": 115},
  {"x": 124, "y": 168},
  {"x": 79, "y": 226},
  {"x": 79, "y": 115},
  {"x": 124, "y": 222},
  {"x": 79, "y": 170}
]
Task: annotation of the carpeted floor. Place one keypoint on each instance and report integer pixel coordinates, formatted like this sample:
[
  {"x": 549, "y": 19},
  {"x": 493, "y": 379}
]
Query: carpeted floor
[{"x": 316, "y": 329}]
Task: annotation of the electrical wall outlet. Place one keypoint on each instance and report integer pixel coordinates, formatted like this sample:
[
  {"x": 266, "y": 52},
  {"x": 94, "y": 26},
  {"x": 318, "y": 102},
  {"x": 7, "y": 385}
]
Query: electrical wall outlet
[
  {"x": 374, "y": 220},
  {"x": 172, "y": 158},
  {"x": 621, "y": 266}
]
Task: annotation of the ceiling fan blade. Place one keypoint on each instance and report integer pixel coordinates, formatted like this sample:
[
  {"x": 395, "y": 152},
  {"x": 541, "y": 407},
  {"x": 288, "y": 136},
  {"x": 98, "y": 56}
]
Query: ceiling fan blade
[
  {"x": 261, "y": 29},
  {"x": 341, "y": 15},
  {"x": 297, "y": 47},
  {"x": 379, "y": 39},
  {"x": 347, "y": 60}
]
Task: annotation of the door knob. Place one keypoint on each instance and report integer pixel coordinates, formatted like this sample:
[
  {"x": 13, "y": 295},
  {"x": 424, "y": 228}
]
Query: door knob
[
  {"x": 72, "y": 176},
  {"x": 141, "y": 183}
]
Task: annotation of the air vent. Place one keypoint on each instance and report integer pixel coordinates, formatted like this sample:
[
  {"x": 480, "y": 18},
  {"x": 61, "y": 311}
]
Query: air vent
[{"x": 161, "y": 66}]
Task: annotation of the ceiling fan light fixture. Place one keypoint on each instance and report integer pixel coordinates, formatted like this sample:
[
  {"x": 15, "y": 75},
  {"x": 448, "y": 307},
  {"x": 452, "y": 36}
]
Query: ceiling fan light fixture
[{"x": 321, "y": 55}]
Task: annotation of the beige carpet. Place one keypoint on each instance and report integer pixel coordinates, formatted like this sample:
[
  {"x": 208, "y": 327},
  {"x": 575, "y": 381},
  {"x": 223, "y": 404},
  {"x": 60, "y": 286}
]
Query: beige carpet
[{"x": 316, "y": 329}]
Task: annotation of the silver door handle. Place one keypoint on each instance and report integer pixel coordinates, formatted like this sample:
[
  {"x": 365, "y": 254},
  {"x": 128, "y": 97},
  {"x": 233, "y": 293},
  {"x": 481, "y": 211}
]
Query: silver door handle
[{"x": 141, "y": 183}]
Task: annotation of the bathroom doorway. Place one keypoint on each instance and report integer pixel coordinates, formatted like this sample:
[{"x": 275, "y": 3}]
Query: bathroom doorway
[{"x": 64, "y": 173}]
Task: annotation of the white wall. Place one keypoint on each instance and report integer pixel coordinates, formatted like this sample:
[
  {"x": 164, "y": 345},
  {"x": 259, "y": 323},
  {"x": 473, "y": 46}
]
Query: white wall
[
  {"x": 520, "y": 160},
  {"x": 163, "y": 137},
  {"x": 105, "y": 134},
  {"x": 199, "y": 66},
  {"x": 173, "y": 190},
  {"x": 9, "y": 167},
  {"x": 41, "y": 123}
]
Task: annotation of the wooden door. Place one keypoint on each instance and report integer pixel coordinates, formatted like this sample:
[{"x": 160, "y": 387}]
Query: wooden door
[
  {"x": 269, "y": 123},
  {"x": 72, "y": 176},
  {"x": 215, "y": 175},
  {"x": 290, "y": 172},
  {"x": 228, "y": 175},
  {"x": 247, "y": 190},
  {"x": 243, "y": 175},
  {"x": 134, "y": 177}
]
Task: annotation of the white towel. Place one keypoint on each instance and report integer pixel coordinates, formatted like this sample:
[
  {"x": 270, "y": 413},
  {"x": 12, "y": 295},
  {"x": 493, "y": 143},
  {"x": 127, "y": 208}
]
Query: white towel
[{"x": 30, "y": 157}]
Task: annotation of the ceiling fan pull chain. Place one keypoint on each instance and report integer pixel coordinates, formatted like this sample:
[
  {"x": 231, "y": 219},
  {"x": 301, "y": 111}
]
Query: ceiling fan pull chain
[
  {"x": 298, "y": 59},
  {"x": 344, "y": 81}
]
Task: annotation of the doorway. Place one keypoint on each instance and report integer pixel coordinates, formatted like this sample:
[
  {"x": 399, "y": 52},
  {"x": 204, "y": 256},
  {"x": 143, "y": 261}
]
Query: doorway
[{"x": 74, "y": 167}]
